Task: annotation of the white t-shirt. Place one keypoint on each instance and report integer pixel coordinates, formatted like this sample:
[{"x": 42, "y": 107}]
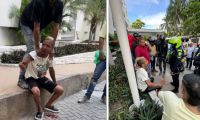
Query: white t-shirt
[
  {"x": 142, "y": 76},
  {"x": 189, "y": 52},
  {"x": 174, "y": 107},
  {"x": 38, "y": 67}
]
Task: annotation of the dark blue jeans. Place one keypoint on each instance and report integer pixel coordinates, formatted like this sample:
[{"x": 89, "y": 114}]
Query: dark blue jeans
[{"x": 100, "y": 68}]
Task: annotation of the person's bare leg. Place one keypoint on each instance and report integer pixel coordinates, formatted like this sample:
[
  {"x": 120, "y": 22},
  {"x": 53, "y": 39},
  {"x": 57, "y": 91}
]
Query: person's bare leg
[
  {"x": 58, "y": 90},
  {"x": 36, "y": 97}
]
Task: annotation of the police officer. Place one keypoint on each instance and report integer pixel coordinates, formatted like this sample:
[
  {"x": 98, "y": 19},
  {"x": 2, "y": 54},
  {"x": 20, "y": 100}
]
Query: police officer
[{"x": 176, "y": 65}]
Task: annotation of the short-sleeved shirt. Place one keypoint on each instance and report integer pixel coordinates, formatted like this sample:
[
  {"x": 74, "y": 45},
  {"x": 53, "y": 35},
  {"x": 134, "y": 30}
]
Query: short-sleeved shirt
[
  {"x": 38, "y": 67},
  {"x": 190, "y": 50},
  {"x": 41, "y": 11},
  {"x": 174, "y": 107},
  {"x": 143, "y": 51},
  {"x": 142, "y": 76}
]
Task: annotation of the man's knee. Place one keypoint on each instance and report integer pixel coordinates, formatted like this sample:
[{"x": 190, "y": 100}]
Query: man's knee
[
  {"x": 59, "y": 90},
  {"x": 36, "y": 91}
]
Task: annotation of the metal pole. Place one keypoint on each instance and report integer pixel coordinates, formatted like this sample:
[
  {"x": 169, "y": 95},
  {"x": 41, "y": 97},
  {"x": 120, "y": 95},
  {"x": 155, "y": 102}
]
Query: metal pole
[{"x": 119, "y": 22}]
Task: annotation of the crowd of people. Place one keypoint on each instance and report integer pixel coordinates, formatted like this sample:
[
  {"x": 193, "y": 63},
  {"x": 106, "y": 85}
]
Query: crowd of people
[{"x": 147, "y": 53}]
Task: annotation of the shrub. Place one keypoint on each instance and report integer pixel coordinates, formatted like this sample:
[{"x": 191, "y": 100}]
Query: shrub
[
  {"x": 150, "y": 110},
  {"x": 74, "y": 48},
  {"x": 16, "y": 56},
  {"x": 120, "y": 97}
]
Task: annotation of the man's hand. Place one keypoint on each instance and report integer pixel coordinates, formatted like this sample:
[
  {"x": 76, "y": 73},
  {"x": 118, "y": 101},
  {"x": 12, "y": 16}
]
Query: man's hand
[
  {"x": 25, "y": 62},
  {"x": 101, "y": 56},
  {"x": 22, "y": 66}
]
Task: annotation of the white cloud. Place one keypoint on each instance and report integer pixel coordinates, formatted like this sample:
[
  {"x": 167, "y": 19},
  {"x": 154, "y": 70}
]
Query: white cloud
[
  {"x": 154, "y": 20},
  {"x": 154, "y": 1},
  {"x": 139, "y": 2}
]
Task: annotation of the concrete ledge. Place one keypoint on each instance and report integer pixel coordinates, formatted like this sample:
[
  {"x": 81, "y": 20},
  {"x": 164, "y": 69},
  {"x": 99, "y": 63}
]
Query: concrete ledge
[{"x": 19, "y": 105}]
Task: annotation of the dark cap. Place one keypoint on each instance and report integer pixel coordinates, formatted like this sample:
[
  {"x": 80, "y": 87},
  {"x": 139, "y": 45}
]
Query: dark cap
[{"x": 136, "y": 35}]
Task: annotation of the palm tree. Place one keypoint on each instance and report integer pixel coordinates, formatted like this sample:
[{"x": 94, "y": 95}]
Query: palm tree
[
  {"x": 95, "y": 13},
  {"x": 174, "y": 17}
]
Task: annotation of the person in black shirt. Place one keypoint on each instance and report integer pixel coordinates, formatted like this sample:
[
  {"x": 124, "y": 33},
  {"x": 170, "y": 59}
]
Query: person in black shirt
[
  {"x": 162, "y": 53},
  {"x": 35, "y": 17}
]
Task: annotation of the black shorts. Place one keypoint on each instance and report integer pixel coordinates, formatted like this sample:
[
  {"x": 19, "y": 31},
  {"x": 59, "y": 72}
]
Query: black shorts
[{"x": 41, "y": 83}]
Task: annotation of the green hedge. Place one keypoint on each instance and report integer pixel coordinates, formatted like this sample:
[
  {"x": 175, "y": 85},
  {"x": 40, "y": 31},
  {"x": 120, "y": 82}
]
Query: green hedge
[
  {"x": 119, "y": 91},
  {"x": 16, "y": 56}
]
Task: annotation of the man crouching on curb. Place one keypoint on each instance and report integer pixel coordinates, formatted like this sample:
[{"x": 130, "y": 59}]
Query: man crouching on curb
[{"x": 36, "y": 66}]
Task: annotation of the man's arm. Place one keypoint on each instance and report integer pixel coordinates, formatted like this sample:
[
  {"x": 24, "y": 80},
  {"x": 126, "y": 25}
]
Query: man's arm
[
  {"x": 52, "y": 74},
  {"x": 101, "y": 43},
  {"x": 25, "y": 62},
  {"x": 55, "y": 31},
  {"x": 158, "y": 84},
  {"x": 36, "y": 16},
  {"x": 36, "y": 32}
]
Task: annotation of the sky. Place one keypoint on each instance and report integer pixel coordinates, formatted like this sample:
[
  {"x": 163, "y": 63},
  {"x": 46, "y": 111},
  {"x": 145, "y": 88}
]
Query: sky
[{"x": 151, "y": 12}]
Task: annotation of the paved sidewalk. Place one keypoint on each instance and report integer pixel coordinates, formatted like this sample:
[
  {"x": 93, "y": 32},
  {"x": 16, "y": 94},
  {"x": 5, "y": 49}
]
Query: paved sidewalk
[
  {"x": 71, "y": 110},
  {"x": 168, "y": 77}
]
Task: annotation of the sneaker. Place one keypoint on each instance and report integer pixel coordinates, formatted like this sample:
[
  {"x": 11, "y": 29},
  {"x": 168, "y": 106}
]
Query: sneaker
[
  {"x": 22, "y": 84},
  {"x": 84, "y": 99},
  {"x": 39, "y": 116},
  {"x": 51, "y": 109}
]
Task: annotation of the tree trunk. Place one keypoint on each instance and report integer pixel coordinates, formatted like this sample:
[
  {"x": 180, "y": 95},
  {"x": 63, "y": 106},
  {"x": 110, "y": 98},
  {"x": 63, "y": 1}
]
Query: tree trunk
[
  {"x": 94, "y": 31},
  {"x": 90, "y": 33},
  {"x": 92, "y": 26}
]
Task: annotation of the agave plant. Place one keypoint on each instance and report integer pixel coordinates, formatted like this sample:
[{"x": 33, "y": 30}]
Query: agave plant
[{"x": 150, "y": 110}]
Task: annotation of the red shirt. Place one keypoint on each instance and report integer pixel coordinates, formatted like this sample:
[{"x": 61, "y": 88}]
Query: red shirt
[
  {"x": 142, "y": 51},
  {"x": 130, "y": 40}
]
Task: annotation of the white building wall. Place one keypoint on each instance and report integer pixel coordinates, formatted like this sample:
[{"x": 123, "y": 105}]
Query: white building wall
[
  {"x": 111, "y": 26},
  {"x": 83, "y": 28},
  {"x": 5, "y": 8},
  {"x": 7, "y": 36}
]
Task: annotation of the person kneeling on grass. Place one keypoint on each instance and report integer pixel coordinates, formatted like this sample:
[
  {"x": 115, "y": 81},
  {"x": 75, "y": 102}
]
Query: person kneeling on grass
[
  {"x": 144, "y": 83},
  {"x": 36, "y": 65},
  {"x": 187, "y": 107}
]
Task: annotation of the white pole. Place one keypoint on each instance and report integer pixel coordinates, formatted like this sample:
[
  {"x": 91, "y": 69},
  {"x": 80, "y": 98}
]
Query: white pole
[{"x": 119, "y": 22}]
